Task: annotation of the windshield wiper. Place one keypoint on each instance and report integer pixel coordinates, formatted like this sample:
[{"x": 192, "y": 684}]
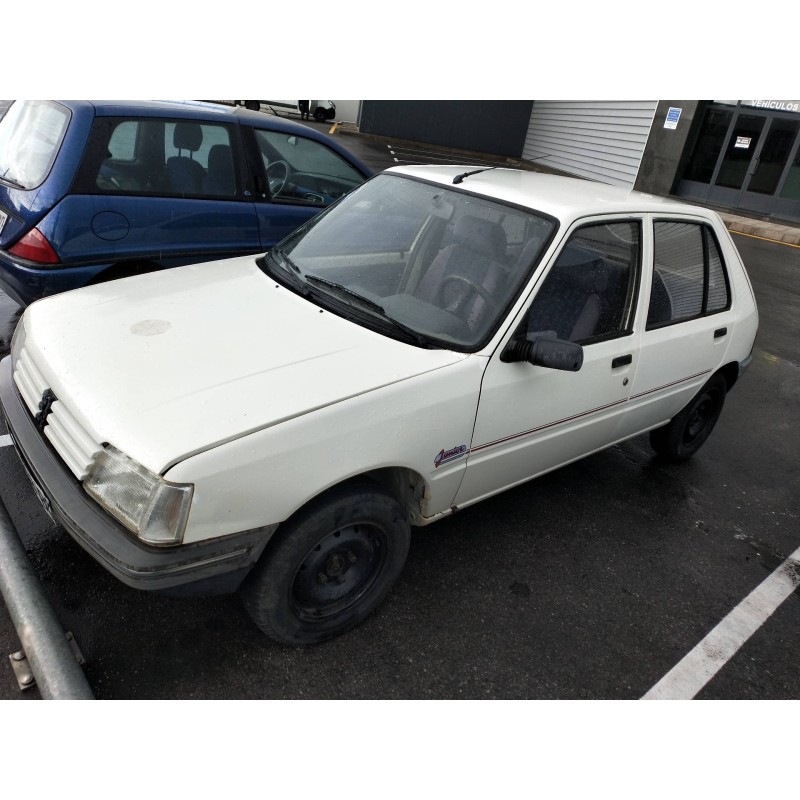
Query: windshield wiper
[
  {"x": 346, "y": 290},
  {"x": 12, "y": 181},
  {"x": 283, "y": 260},
  {"x": 373, "y": 306},
  {"x": 290, "y": 272}
]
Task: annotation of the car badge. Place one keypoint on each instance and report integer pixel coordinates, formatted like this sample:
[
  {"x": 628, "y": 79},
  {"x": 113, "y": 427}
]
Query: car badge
[
  {"x": 443, "y": 456},
  {"x": 45, "y": 407}
]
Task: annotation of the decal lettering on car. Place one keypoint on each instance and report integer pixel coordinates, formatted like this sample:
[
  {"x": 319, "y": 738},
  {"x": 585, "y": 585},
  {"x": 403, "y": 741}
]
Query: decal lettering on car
[{"x": 443, "y": 456}]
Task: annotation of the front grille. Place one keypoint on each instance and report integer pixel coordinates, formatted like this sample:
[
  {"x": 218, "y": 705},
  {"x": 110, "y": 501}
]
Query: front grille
[
  {"x": 68, "y": 437},
  {"x": 29, "y": 381},
  {"x": 71, "y": 441}
]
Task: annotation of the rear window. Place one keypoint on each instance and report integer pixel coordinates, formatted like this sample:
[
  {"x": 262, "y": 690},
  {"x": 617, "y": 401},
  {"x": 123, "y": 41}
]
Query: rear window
[{"x": 30, "y": 135}]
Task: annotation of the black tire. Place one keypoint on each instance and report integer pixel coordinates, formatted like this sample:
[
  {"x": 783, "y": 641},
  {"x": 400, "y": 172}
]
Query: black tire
[
  {"x": 252, "y": 105},
  {"x": 320, "y": 114},
  {"x": 685, "y": 434},
  {"x": 330, "y": 566}
]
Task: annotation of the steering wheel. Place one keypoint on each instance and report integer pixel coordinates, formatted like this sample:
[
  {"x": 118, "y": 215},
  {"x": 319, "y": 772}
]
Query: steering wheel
[
  {"x": 473, "y": 287},
  {"x": 277, "y": 176}
]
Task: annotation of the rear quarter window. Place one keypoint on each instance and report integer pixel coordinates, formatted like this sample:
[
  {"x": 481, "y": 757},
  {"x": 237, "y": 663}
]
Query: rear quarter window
[{"x": 31, "y": 133}]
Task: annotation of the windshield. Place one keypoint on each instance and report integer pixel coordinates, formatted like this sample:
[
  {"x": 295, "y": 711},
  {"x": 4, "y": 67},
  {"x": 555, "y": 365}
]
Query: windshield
[
  {"x": 443, "y": 264},
  {"x": 30, "y": 135}
]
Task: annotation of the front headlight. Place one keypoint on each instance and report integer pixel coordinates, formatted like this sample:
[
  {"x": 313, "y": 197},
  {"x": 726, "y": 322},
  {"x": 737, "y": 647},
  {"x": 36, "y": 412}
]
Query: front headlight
[{"x": 154, "y": 509}]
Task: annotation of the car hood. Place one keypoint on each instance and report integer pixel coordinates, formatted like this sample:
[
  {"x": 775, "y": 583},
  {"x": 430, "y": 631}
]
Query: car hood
[{"x": 166, "y": 365}]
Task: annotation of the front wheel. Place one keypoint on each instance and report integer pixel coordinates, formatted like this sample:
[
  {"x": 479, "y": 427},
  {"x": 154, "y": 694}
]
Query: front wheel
[
  {"x": 681, "y": 438},
  {"x": 320, "y": 115},
  {"x": 330, "y": 566}
]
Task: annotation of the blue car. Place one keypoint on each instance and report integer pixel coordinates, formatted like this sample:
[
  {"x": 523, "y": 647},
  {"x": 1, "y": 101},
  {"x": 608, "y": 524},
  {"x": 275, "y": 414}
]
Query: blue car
[{"x": 91, "y": 191}]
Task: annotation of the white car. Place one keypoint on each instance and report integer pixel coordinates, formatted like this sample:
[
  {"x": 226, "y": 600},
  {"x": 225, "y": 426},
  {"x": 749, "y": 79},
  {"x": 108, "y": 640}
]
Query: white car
[{"x": 276, "y": 424}]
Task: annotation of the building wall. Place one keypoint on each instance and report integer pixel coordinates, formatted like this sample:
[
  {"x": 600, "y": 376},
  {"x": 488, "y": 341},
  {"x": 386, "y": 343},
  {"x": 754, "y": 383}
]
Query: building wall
[
  {"x": 486, "y": 126},
  {"x": 658, "y": 172},
  {"x": 602, "y": 140}
]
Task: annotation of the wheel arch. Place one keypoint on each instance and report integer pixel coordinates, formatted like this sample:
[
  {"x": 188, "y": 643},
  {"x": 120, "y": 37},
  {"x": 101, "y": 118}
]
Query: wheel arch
[
  {"x": 730, "y": 372},
  {"x": 406, "y": 485}
]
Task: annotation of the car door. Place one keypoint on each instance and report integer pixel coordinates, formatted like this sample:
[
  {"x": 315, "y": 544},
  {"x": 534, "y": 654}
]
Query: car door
[
  {"x": 166, "y": 191},
  {"x": 689, "y": 319},
  {"x": 295, "y": 178},
  {"x": 532, "y": 419}
]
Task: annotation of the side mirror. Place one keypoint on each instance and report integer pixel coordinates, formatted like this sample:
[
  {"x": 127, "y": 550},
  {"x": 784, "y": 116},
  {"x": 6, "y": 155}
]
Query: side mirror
[{"x": 543, "y": 352}]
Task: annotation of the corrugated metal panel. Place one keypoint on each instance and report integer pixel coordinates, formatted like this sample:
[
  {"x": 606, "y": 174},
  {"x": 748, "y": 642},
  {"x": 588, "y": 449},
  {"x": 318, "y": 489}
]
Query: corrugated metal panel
[{"x": 602, "y": 140}]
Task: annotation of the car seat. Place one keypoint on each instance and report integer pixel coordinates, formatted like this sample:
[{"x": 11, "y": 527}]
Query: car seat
[
  {"x": 220, "y": 179},
  {"x": 186, "y": 175},
  {"x": 466, "y": 272}
]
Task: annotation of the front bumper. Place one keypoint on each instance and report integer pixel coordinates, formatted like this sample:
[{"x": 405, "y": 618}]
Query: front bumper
[{"x": 210, "y": 567}]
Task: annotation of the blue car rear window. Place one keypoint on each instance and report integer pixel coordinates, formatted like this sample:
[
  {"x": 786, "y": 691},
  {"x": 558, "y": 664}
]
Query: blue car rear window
[{"x": 30, "y": 135}]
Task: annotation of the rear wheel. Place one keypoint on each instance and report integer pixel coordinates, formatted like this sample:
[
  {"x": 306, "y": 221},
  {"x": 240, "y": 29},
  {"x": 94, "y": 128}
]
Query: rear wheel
[
  {"x": 685, "y": 434},
  {"x": 330, "y": 566}
]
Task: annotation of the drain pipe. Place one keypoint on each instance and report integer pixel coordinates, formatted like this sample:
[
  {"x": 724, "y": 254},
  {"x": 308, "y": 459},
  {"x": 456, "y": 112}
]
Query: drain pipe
[{"x": 52, "y": 661}]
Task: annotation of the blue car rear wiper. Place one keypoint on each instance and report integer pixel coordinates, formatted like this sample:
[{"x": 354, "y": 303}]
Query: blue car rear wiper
[{"x": 13, "y": 182}]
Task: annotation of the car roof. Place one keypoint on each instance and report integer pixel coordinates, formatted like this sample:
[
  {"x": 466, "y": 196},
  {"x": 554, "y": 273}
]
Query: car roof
[
  {"x": 562, "y": 197},
  {"x": 189, "y": 109}
]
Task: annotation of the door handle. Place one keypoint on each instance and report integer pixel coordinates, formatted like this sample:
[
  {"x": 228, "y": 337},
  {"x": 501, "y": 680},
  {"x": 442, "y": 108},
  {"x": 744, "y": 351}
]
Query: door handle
[
  {"x": 621, "y": 361},
  {"x": 720, "y": 332}
]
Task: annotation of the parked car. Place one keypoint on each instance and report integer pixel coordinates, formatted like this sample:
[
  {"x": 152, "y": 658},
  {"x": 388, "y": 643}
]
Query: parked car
[
  {"x": 277, "y": 423},
  {"x": 321, "y": 110},
  {"x": 91, "y": 191}
]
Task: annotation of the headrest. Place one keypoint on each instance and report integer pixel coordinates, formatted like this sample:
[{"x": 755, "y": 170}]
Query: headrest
[
  {"x": 219, "y": 157},
  {"x": 590, "y": 277},
  {"x": 187, "y": 136},
  {"x": 481, "y": 236}
]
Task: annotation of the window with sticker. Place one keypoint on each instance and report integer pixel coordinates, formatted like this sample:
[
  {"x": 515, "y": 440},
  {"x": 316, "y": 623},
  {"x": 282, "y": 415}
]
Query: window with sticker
[{"x": 304, "y": 171}]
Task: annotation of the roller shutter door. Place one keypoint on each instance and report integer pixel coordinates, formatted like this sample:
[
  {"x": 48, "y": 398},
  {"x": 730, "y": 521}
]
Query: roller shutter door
[{"x": 602, "y": 140}]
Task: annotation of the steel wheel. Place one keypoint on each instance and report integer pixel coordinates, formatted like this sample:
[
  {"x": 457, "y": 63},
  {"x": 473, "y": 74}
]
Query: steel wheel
[
  {"x": 685, "y": 434},
  {"x": 338, "y": 571},
  {"x": 329, "y": 566}
]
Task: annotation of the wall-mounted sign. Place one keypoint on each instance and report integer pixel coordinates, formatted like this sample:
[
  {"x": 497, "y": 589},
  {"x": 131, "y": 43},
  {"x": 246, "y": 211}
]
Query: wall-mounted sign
[
  {"x": 743, "y": 142},
  {"x": 776, "y": 105},
  {"x": 673, "y": 115}
]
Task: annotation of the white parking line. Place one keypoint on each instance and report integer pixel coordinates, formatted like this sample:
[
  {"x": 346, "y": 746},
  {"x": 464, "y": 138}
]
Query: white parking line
[
  {"x": 698, "y": 667},
  {"x": 5, "y": 440}
]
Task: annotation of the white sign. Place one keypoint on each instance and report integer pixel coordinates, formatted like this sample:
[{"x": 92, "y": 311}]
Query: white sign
[
  {"x": 673, "y": 115},
  {"x": 743, "y": 142},
  {"x": 778, "y": 105}
]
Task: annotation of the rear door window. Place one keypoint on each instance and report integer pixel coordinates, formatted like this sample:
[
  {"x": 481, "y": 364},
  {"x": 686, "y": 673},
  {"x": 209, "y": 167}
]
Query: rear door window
[
  {"x": 149, "y": 156},
  {"x": 689, "y": 277},
  {"x": 31, "y": 133}
]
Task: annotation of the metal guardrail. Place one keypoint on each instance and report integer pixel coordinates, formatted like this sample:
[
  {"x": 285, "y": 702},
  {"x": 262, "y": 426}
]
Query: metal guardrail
[{"x": 51, "y": 660}]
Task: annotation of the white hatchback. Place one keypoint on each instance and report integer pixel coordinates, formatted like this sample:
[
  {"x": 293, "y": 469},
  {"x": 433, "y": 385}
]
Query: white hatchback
[{"x": 276, "y": 424}]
